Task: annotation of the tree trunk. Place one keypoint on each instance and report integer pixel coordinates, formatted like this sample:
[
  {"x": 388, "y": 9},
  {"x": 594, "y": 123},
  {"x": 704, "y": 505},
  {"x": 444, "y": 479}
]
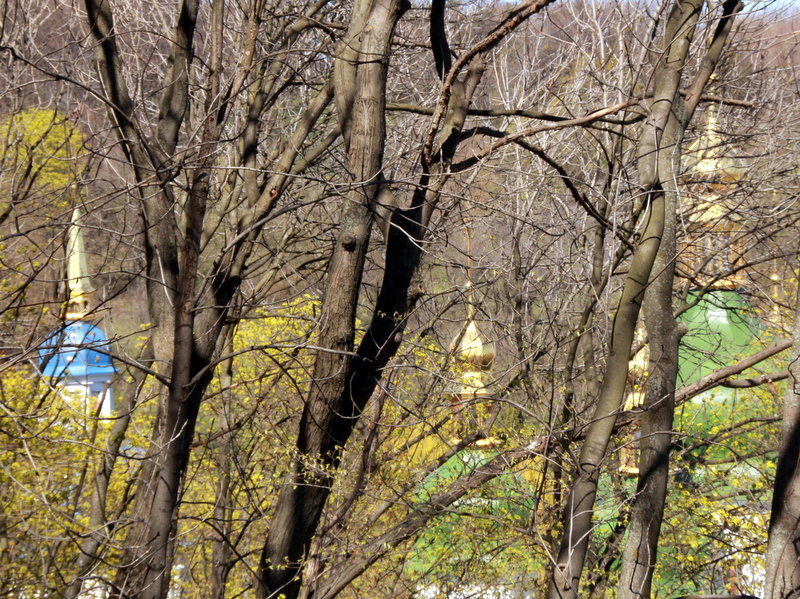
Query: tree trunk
[
  {"x": 577, "y": 517},
  {"x": 361, "y": 101},
  {"x": 639, "y": 556},
  {"x": 579, "y": 507},
  {"x": 783, "y": 546},
  {"x": 344, "y": 383}
]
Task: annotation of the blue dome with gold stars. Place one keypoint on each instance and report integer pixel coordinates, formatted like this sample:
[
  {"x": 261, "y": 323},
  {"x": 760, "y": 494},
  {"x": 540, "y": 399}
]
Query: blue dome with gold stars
[{"x": 77, "y": 350}]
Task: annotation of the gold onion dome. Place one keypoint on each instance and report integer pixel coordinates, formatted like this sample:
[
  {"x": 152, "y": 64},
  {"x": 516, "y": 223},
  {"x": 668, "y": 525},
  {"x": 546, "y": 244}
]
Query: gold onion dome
[
  {"x": 473, "y": 348},
  {"x": 476, "y": 354}
]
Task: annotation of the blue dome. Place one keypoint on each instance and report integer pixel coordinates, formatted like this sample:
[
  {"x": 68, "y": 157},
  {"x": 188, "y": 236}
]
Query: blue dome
[{"x": 77, "y": 350}]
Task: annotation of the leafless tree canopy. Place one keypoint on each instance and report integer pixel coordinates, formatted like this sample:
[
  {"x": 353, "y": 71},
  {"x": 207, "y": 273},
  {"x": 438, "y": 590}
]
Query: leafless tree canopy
[{"x": 295, "y": 213}]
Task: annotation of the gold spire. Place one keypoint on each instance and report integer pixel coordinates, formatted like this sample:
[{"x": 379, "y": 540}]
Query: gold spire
[{"x": 80, "y": 286}]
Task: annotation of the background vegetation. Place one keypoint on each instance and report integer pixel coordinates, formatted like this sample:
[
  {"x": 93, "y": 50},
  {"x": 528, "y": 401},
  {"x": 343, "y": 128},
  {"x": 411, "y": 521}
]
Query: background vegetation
[{"x": 292, "y": 210}]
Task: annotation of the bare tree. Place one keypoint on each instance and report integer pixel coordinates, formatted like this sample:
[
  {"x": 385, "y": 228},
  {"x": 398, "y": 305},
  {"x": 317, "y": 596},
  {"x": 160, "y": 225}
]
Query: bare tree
[
  {"x": 660, "y": 134},
  {"x": 255, "y": 146}
]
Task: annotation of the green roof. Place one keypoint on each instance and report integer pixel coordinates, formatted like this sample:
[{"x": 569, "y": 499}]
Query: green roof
[
  {"x": 722, "y": 328},
  {"x": 464, "y": 533}
]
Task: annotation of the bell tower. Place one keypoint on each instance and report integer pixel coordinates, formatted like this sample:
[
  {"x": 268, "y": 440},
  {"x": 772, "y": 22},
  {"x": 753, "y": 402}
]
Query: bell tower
[{"x": 77, "y": 355}]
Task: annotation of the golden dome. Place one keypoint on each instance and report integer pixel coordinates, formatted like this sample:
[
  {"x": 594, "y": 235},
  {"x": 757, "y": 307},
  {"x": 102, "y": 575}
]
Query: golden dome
[
  {"x": 470, "y": 385},
  {"x": 473, "y": 348}
]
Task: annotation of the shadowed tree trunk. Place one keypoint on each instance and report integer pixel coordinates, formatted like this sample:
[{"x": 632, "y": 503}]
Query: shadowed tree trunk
[
  {"x": 344, "y": 381},
  {"x": 360, "y": 91},
  {"x": 783, "y": 546},
  {"x": 189, "y": 295}
]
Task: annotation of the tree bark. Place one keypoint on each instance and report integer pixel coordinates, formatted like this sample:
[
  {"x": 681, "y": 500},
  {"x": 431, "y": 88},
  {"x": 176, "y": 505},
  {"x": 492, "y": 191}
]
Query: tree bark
[
  {"x": 639, "y": 555},
  {"x": 361, "y": 97},
  {"x": 783, "y": 546},
  {"x": 343, "y": 383}
]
